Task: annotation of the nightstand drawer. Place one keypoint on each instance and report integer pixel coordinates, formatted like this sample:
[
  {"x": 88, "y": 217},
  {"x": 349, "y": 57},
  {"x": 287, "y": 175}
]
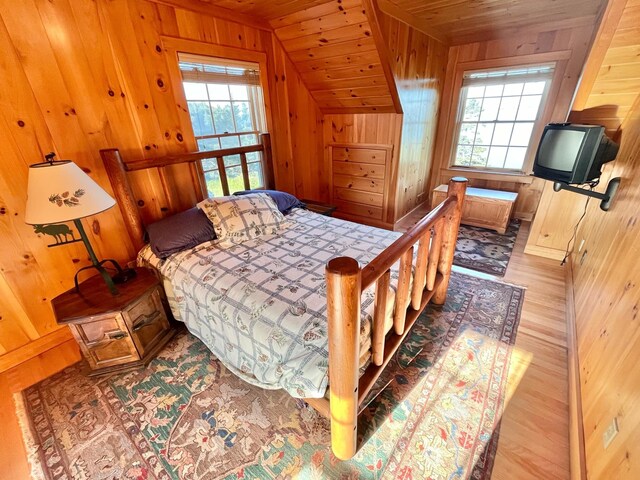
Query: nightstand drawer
[
  {"x": 105, "y": 341},
  {"x": 147, "y": 321}
]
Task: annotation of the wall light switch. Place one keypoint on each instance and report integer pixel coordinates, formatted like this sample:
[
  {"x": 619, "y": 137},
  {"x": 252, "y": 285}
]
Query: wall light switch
[{"x": 610, "y": 433}]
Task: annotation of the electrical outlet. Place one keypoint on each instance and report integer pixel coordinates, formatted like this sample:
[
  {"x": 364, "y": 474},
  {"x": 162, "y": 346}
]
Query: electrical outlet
[
  {"x": 610, "y": 433},
  {"x": 581, "y": 245}
]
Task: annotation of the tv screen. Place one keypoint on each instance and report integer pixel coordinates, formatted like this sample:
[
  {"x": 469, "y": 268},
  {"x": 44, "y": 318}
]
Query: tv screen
[{"x": 560, "y": 149}]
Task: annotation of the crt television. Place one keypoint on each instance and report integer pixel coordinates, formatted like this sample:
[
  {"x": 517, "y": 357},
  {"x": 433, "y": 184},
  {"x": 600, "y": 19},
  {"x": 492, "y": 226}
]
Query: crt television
[{"x": 571, "y": 153}]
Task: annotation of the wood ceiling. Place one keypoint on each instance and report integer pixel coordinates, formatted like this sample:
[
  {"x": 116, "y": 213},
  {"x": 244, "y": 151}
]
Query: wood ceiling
[
  {"x": 466, "y": 21},
  {"x": 338, "y": 50}
]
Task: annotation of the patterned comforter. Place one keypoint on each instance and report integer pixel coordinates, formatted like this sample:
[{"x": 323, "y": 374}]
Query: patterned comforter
[{"x": 261, "y": 306}]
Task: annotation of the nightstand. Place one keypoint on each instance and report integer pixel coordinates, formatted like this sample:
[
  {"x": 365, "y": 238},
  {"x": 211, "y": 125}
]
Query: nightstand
[
  {"x": 319, "y": 207},
  {"x": 118, "y": 332}
]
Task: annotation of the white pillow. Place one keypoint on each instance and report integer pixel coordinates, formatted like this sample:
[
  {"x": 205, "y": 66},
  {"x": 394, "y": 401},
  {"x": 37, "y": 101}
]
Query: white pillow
[{"x": 239, "y": 218}]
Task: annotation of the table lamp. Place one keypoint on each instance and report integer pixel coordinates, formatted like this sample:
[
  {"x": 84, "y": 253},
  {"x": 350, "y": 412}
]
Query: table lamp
[{"x": 59, "y": 191}]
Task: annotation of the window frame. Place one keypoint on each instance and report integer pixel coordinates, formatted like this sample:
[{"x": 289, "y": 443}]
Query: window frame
[
  {"x": 174, "y": 46},
  {"x": 452, "y": 95}
]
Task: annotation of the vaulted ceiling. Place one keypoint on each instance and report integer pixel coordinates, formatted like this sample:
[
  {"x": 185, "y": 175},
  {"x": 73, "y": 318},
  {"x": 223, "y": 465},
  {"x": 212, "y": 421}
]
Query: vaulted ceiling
[{"x": 337, "y": 48}]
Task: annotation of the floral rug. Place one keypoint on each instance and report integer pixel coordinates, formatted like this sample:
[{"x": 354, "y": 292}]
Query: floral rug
[
  {"x": 485, "y": 250},
  {"x": 186, "y": 416}
]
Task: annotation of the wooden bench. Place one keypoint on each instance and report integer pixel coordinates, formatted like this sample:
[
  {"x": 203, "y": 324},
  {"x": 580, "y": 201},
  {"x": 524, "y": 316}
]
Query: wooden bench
[{"x": 483, "y": 207}]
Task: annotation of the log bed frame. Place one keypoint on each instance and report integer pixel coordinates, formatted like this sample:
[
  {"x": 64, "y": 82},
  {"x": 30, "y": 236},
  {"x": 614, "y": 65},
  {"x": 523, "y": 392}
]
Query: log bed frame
[{"x": 435, "y": 236}]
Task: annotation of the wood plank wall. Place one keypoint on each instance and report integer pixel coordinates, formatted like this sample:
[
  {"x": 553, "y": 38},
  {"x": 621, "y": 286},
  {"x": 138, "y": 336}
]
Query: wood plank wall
[
  {"x": 419, "y": 63},
  {"x": 575, "y": 40},
  {"x": 81, "y": 75},
  {"x": 610, "y": 85},
  {"x": 607, "y": 299}
]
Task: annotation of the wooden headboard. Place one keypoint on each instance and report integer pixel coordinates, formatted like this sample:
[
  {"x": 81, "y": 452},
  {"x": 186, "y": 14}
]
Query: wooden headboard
[{"x": 130, "y": 207}]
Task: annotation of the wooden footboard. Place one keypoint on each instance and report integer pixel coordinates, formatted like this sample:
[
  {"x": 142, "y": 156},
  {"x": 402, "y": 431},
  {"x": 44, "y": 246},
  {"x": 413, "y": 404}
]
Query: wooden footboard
[{"x": 435, "y": 238}]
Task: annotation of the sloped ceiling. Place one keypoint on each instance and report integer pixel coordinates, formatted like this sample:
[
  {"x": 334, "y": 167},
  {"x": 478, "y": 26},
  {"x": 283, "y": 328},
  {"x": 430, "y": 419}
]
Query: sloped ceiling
[{"x": 465, "y": 21}]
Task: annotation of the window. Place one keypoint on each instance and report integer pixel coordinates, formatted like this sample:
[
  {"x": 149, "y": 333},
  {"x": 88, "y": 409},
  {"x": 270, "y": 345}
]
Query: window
[
  {"x": 225, "y": 103},
  {"x": 498, "y": 114}
]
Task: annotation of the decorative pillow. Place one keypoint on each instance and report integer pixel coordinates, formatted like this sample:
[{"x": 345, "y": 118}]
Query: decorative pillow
[
  {"x": 236, "y": 219},
  {"x": 284, "y": 201},
  {"x": 180, "y": 232}
]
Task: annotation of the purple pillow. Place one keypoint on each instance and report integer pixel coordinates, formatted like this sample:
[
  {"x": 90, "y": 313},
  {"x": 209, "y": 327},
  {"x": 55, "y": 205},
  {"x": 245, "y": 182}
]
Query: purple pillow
[
  {"x": 283, "y": 200},
  {"x": 180, "y": 232}
]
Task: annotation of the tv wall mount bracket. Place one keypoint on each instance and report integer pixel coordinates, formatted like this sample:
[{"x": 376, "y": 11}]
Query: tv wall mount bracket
[{"x": 606, "y": 197}]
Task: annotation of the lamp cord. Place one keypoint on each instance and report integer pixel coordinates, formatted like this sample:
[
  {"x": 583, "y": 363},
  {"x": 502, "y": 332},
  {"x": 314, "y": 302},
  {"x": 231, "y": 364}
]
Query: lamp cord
[{"x": 567, "y": 253}]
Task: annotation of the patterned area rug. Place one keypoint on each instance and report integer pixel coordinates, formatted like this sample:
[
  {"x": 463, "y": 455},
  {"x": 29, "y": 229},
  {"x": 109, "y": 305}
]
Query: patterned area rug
[
  {"x": 485, "y": 250},
  {"x": 186, "y": 416}
]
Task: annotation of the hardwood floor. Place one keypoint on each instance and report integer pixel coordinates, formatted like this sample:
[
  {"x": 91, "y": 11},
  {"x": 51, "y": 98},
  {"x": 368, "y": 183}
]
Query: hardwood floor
[{"x": 534, "y": 435}]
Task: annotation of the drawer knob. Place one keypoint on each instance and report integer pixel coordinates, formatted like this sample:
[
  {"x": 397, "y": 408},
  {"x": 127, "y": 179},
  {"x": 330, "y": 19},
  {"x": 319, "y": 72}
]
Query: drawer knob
[
  {"x": 144, "y": 320},
  {"x": 117, "y": 335}
]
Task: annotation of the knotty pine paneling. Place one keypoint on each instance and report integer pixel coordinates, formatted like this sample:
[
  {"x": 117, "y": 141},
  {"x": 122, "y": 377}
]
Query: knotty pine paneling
[
  {"x": 419, "y": 64},
  {"x": 575, "y": 41},
  {"x": 607, "y": 299},
  {"x": 606, "y": 94},
  {"x": 81, "y": 75}
]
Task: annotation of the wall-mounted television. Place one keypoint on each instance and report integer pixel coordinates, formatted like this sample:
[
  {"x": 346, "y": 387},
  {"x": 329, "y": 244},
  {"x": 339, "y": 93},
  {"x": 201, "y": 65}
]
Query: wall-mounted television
[{"x": 573, "y": 154}]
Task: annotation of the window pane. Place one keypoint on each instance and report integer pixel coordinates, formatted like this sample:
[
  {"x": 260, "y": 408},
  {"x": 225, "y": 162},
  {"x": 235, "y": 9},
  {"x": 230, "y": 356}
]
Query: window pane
[
  {"x": 479, "y": 156},
  {"x": 209, "y": 164},
  {"x": 508, "y": 108},
  {"x": 472, "y": 109},
  {"x": 529, "y": 107},
  {"x": 253, "y": 157},
  {"x": 234, "y": 178},
  {"x": 463, "y": 156},
  {"x": 242, "y": 113},
  {"x": 496, "y": 157},
  {"x": 484, "y": 134},
  {"x": 467, "y": 133},
  {"x": 195, "y": 91},
  {"x": 255, "y": 175},
  {"x": 493, "y": 91},
  {"x": 513, "y": 89},
  {"x": 229, "y": 142},
  {"x": 239, "y": 92},
  {"x": 208, "y": 144},
  {"x": 214, "y": 186},
  {"x": 249, "y": 140},
  {"x": 231, "y": 160},
  {"x": 490, "y": 109},
  {"x": 223, "y": 117},
  {"x": 200, "y": 118},
  {"x": 521, "y": 134},
  {"x": 502, "y": 134},
  {"x": 475, "y": 92},
  {"x": 218, "y": 91},
  {"x": 532, "y": 88},
  {"x": 515, "y": 158}
]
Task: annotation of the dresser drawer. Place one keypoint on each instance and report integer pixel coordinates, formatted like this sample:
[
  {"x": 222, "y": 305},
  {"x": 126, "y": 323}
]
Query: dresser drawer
[
  {"x": 105, "y": 341},
  {"x": 147, "y": 321}
]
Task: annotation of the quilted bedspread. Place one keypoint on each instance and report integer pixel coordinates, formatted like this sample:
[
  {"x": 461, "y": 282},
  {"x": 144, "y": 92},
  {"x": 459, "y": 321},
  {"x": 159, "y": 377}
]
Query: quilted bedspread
[{"x": 261, "y": 306}]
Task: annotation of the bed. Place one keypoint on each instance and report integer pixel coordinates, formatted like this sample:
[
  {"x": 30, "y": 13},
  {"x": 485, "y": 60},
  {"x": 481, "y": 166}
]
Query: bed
[{"x": 318, "y": 309}]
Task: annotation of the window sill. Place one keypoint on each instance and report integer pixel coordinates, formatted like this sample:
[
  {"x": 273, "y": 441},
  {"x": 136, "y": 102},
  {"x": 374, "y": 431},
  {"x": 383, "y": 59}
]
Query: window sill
[{"x": 513, "y": 177}]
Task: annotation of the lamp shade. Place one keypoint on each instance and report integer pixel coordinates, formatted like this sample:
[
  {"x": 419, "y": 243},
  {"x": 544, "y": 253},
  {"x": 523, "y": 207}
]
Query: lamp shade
[{"x": 60, "y": 191}]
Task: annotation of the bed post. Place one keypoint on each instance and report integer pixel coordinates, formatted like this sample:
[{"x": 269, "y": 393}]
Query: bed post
[
  {"x": 457, "y": 188},
  {"x": 267, "y": 160},
  {"x": 114, "y": 166},
  {"x": 343, "y": 314}
]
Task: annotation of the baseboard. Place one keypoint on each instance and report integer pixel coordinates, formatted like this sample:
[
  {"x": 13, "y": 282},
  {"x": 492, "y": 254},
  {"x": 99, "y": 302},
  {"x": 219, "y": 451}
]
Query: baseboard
[
  {"x": 420, "y": 205},
  {"x": 577, "y": 458},
  {"x": 545, "y": 252},
  {"x": 35, "y": 348}
]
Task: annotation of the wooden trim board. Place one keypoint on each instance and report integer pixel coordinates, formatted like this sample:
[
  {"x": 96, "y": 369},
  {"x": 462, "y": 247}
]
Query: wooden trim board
[
  {"x": 34, "y": 348},
  {"x": 577, "y": 455}
]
